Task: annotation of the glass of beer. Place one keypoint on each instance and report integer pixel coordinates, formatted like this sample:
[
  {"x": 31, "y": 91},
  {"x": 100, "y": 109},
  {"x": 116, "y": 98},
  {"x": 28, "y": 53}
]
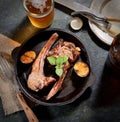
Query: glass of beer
[{"x": 40, "y": 12}]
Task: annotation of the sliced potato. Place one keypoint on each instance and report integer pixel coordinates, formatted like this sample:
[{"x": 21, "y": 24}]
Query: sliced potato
[
  {"x": 28, "y": 57},
  {"x": 78, "y": 49},
  {"x": 81, "y": 69}
]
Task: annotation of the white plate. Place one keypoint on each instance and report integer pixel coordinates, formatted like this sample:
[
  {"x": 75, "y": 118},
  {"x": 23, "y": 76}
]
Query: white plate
[{"x": 109, "y": 8}]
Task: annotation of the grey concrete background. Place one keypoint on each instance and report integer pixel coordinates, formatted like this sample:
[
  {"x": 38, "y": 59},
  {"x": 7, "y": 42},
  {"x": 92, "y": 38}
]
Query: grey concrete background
[{"x": 100, "y": 103}]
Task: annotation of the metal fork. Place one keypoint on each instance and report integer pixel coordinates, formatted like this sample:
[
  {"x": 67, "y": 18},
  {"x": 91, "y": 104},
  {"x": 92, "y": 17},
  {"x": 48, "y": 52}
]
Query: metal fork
[
  {"x": 102, "y": 22},
  {"x": 7, "y": 71}
]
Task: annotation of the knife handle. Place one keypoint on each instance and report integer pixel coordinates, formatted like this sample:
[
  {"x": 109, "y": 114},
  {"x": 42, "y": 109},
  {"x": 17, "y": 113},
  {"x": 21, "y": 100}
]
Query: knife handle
[
  {"x": 112, "y": 19},
  {"x": 29, "y": 113},
  {"x": 114, "y": 30}
]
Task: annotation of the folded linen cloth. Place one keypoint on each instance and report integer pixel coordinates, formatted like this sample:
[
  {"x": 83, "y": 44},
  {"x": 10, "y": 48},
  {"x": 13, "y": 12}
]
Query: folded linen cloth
[{"x": 7, "y": 86}]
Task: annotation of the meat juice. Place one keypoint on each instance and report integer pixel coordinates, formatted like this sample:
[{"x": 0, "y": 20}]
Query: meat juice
[
  {"x": 40, "y": 12},
  {"x": 114, "y": 55}
]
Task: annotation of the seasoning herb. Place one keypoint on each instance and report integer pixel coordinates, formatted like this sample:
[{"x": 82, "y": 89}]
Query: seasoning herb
[{"x": 58, "y": 63}]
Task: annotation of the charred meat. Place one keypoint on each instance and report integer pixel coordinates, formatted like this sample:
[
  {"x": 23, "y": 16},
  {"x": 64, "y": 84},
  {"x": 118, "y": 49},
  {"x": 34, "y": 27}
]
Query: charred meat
[
  {"x": 37, "y": 80},
  {"x": 63, "y": 48}
]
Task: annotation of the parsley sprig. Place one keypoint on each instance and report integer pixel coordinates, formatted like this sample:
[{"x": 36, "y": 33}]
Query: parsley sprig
[{"x": 58, "y": 63}]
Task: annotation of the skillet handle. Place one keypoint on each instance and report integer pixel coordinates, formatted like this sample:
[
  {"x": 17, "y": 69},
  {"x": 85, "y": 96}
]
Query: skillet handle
[{"x": 29, "y": 113}]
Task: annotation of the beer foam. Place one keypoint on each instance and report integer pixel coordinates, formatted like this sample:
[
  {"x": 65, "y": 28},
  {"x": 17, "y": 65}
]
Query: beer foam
[{"x": 39, "y": 4}]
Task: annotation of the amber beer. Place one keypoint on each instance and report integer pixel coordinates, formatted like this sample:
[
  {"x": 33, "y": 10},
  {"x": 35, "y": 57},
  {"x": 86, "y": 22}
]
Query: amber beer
[{"x": 40, "y": 12}]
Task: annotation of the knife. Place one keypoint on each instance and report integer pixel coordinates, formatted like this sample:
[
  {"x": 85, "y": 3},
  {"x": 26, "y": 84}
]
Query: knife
[{"x": 98, "y": 19}]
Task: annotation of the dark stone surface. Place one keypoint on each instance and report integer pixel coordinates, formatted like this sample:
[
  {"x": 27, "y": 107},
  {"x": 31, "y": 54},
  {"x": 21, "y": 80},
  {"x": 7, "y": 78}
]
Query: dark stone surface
[{"x": 100, "y": 103}]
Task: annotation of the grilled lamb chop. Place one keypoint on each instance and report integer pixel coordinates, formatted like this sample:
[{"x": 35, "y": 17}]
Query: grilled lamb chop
[
  {"x": 58, "y": 85},
  {"x": 63, "y": 48},
  {"x": 37, "y": 80}
]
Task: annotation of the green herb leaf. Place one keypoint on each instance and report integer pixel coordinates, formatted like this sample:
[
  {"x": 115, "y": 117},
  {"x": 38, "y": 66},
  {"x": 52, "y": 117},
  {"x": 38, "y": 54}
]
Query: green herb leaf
[
  {"x": 58, "y": 67},
  {"x": 58, "y": 62},
  {"x": 52, "y": 60},
  {"x": 65, "y": 59},
  {"x": 61, "y": 60},
  {"x": 59, "y": 72}
]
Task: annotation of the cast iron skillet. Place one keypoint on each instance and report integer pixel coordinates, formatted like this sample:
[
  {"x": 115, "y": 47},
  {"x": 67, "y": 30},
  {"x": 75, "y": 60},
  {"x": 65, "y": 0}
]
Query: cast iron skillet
[{"x": 73, "y": 86}]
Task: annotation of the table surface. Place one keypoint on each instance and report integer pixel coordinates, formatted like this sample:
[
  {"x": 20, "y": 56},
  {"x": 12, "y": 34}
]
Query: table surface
[{"x": 99, "y": 103}]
